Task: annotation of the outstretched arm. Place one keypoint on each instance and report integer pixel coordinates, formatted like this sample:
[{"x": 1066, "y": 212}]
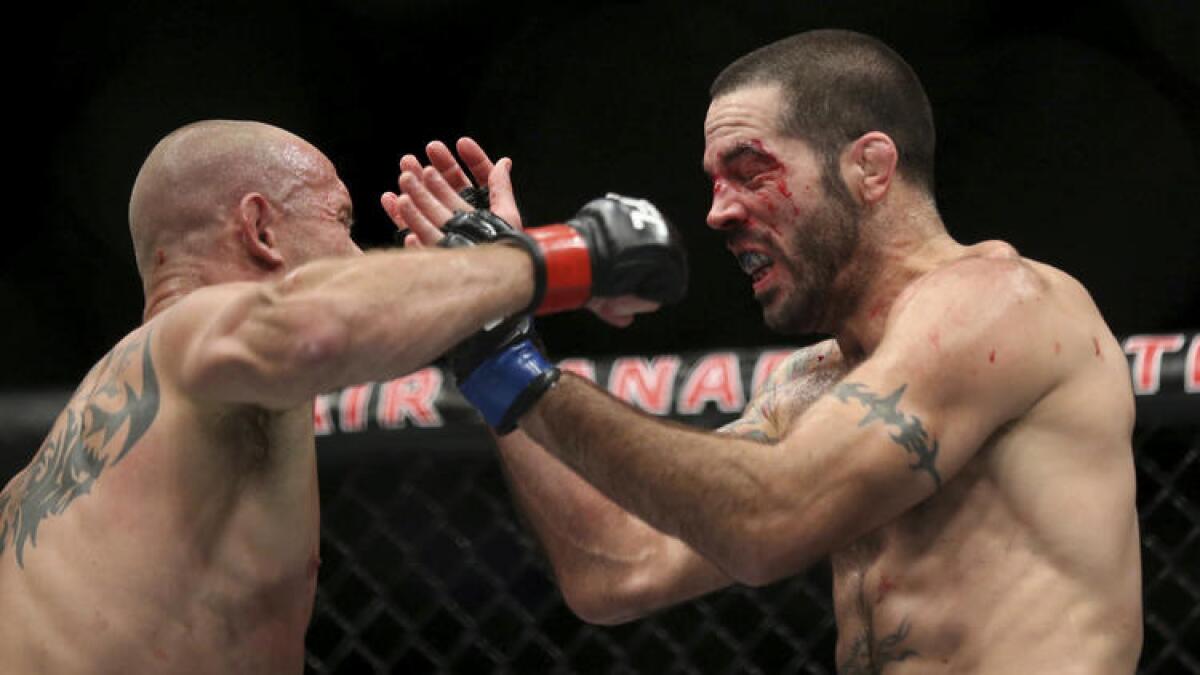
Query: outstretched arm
[{"x": 336, "y": 322}]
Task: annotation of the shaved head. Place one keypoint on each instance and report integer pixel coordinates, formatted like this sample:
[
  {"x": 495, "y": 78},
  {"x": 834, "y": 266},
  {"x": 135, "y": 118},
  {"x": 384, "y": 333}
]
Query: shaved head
[{"x": 195, "y": 177}]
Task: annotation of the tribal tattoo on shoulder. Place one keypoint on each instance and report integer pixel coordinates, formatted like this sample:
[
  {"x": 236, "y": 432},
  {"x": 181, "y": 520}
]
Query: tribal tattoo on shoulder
[
  {"x": 910, "y": 434},
  {"x": 80, "y": 446}
]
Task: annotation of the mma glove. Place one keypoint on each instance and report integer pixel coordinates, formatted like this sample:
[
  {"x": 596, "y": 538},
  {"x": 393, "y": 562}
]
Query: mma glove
[
  {"x": 615, "y": 246},
  {"x": 501, "y": 370}
]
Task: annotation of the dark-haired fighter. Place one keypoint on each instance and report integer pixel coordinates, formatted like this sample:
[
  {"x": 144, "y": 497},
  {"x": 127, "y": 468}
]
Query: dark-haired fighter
[
  {"x": 169, "y": 522},
  {"x": 960, "y": 449}
]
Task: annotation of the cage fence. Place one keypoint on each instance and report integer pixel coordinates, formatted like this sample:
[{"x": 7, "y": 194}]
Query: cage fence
[{"x": 426, "y": 567}]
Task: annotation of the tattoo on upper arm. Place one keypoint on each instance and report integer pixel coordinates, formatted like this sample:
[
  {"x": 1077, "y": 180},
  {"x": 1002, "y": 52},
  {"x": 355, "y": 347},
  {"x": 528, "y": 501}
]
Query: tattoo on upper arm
[
  {"x": 80, "y": 446},
  {"x": 911, "y": 434}
]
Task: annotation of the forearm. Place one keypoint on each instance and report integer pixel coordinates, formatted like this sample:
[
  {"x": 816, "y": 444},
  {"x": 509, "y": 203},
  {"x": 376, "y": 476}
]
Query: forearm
[
  {"x": 342, "y": 321},
  {"x": 610, "y": 565},
  {"x": 705, "y": 489}
]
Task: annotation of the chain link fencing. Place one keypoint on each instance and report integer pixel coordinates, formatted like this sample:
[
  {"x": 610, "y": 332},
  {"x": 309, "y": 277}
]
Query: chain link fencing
[{"x": 426, "y": 567}]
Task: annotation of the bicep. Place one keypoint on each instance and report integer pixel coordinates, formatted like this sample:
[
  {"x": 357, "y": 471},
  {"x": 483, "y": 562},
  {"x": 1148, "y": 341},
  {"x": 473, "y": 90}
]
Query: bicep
[{"x": 867, "y": 452}]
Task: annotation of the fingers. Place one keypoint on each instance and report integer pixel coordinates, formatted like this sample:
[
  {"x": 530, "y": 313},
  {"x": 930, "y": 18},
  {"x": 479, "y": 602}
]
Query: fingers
[
  {"x": 421, "y": 229},
  {"x": 436, "y": 184},
  {"x": 443, "y": 160},
  {"x": 419, "y": 209},
  {"x": 476, "y": 160},
  {"x": 503, "y": 202},
  {"x": 406, "y": 215},
  {"x": 621, "y": 311},
  {"x": 410, "y": 164}
]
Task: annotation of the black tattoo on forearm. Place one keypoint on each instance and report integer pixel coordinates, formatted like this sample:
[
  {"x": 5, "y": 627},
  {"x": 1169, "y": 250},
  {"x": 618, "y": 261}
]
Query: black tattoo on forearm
[
  {"x": 911, "y": 433},
  {"x": 80, "y": 448}
]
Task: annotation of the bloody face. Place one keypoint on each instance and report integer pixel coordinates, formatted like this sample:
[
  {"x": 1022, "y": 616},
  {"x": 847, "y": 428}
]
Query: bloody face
[{"x": 789, "y": 232}]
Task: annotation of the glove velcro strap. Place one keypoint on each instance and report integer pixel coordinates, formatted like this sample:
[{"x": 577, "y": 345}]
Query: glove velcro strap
[
  {"x": 508, "y": 383},
  {"x": 568, "y": 267}
]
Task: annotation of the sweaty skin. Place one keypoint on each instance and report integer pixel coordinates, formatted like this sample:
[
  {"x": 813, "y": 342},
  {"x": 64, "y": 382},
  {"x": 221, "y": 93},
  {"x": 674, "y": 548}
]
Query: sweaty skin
[{"x": 169, "y": 521}]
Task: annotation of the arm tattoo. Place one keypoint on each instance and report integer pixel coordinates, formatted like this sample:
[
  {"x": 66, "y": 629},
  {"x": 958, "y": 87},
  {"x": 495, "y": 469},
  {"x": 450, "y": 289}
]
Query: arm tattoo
[
  {"x": 80, "y": 447},
  {"x": 911, "y": 434}
]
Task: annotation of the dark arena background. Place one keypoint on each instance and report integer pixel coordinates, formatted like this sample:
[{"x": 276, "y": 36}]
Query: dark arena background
[{"x": 1071, "y": 130}]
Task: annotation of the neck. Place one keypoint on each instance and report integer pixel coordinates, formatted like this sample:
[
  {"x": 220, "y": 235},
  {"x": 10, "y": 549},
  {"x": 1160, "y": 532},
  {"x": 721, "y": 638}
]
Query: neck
[
  {"x": 165, "y": 290},
  {"x": 894, "y": 253},
  {"x": 171, "y": 282}
]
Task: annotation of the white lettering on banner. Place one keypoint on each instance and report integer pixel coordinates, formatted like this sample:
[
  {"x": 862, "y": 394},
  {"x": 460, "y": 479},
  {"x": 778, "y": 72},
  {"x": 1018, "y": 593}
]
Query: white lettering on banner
[
  {"x": 352, "y": 407},
  {"x": 648, "y": 385},
  {"x": 1147, "y": 352},
  {"x": 1191, "y": 371},
  {"x": 766, "y": 364},
  {"x": 581, "y": 367},
  {"x": 412, "y": 397},
  {"x": 714, "y": 379},
  {"x": 322, "y": 421}
]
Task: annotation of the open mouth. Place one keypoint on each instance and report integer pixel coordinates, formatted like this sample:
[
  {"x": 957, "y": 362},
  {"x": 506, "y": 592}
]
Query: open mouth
[{"x": 755, "y": 264}]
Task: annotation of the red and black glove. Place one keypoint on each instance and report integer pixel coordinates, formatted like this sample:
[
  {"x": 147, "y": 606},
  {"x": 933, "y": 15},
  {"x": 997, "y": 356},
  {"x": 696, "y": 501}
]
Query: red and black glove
[{"x": 614, "y": 246}]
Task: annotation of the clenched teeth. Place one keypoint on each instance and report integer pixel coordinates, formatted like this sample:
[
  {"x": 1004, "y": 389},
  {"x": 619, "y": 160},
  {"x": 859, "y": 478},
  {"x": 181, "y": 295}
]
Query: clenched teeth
[{"x": 752, "y": 263}]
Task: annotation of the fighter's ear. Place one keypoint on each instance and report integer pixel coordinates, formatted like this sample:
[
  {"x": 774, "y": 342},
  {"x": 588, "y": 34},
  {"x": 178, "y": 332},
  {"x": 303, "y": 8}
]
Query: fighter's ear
[
  {"x": 257, "y": 219},
  {"x": 870, "y": 163}
]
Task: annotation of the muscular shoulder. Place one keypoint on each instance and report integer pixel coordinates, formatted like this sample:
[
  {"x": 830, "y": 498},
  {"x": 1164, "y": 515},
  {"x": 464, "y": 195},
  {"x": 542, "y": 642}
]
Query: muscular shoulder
[
  {"x": 791, "y": 388},
  {"x": 992, "y": 327},
  {"x": 190, "y": 331}
]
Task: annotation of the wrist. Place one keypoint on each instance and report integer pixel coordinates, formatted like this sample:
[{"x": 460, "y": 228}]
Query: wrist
[
  {"x": 567, "y": 268},
  {"x": 505, "y": 385}
]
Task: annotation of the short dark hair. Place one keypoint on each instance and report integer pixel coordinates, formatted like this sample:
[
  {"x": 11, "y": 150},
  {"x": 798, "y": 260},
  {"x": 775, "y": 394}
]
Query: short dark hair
[{"x": 837, "y": 86}]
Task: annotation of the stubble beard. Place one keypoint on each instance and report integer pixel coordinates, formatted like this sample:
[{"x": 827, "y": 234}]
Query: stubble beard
[{"x": 815, "y": 252}]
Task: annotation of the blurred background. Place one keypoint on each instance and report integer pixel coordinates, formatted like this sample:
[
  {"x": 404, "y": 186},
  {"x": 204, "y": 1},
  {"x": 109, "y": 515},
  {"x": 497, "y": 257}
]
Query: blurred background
[{"x": 1070, "y": 129}]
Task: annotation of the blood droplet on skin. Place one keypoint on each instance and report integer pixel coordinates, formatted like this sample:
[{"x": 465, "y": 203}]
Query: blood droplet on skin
[
  {"x": 1096, "y": 342},
  {"x": 820, "y": 357},
  {"x": 885, "y": 586},
  {"x": 992, "y": 356}
]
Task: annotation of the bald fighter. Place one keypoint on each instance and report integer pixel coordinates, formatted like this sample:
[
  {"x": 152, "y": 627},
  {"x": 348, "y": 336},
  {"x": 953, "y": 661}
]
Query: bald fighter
[
  {"x": 960, "y": 449},
  {"x": 169, "y": 522}
]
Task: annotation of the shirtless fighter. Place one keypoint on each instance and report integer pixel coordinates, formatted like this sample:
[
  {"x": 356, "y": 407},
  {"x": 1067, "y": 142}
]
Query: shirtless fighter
[
  {"x": 169, "y": 522},
  {"x": 960, "y": 449}
]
